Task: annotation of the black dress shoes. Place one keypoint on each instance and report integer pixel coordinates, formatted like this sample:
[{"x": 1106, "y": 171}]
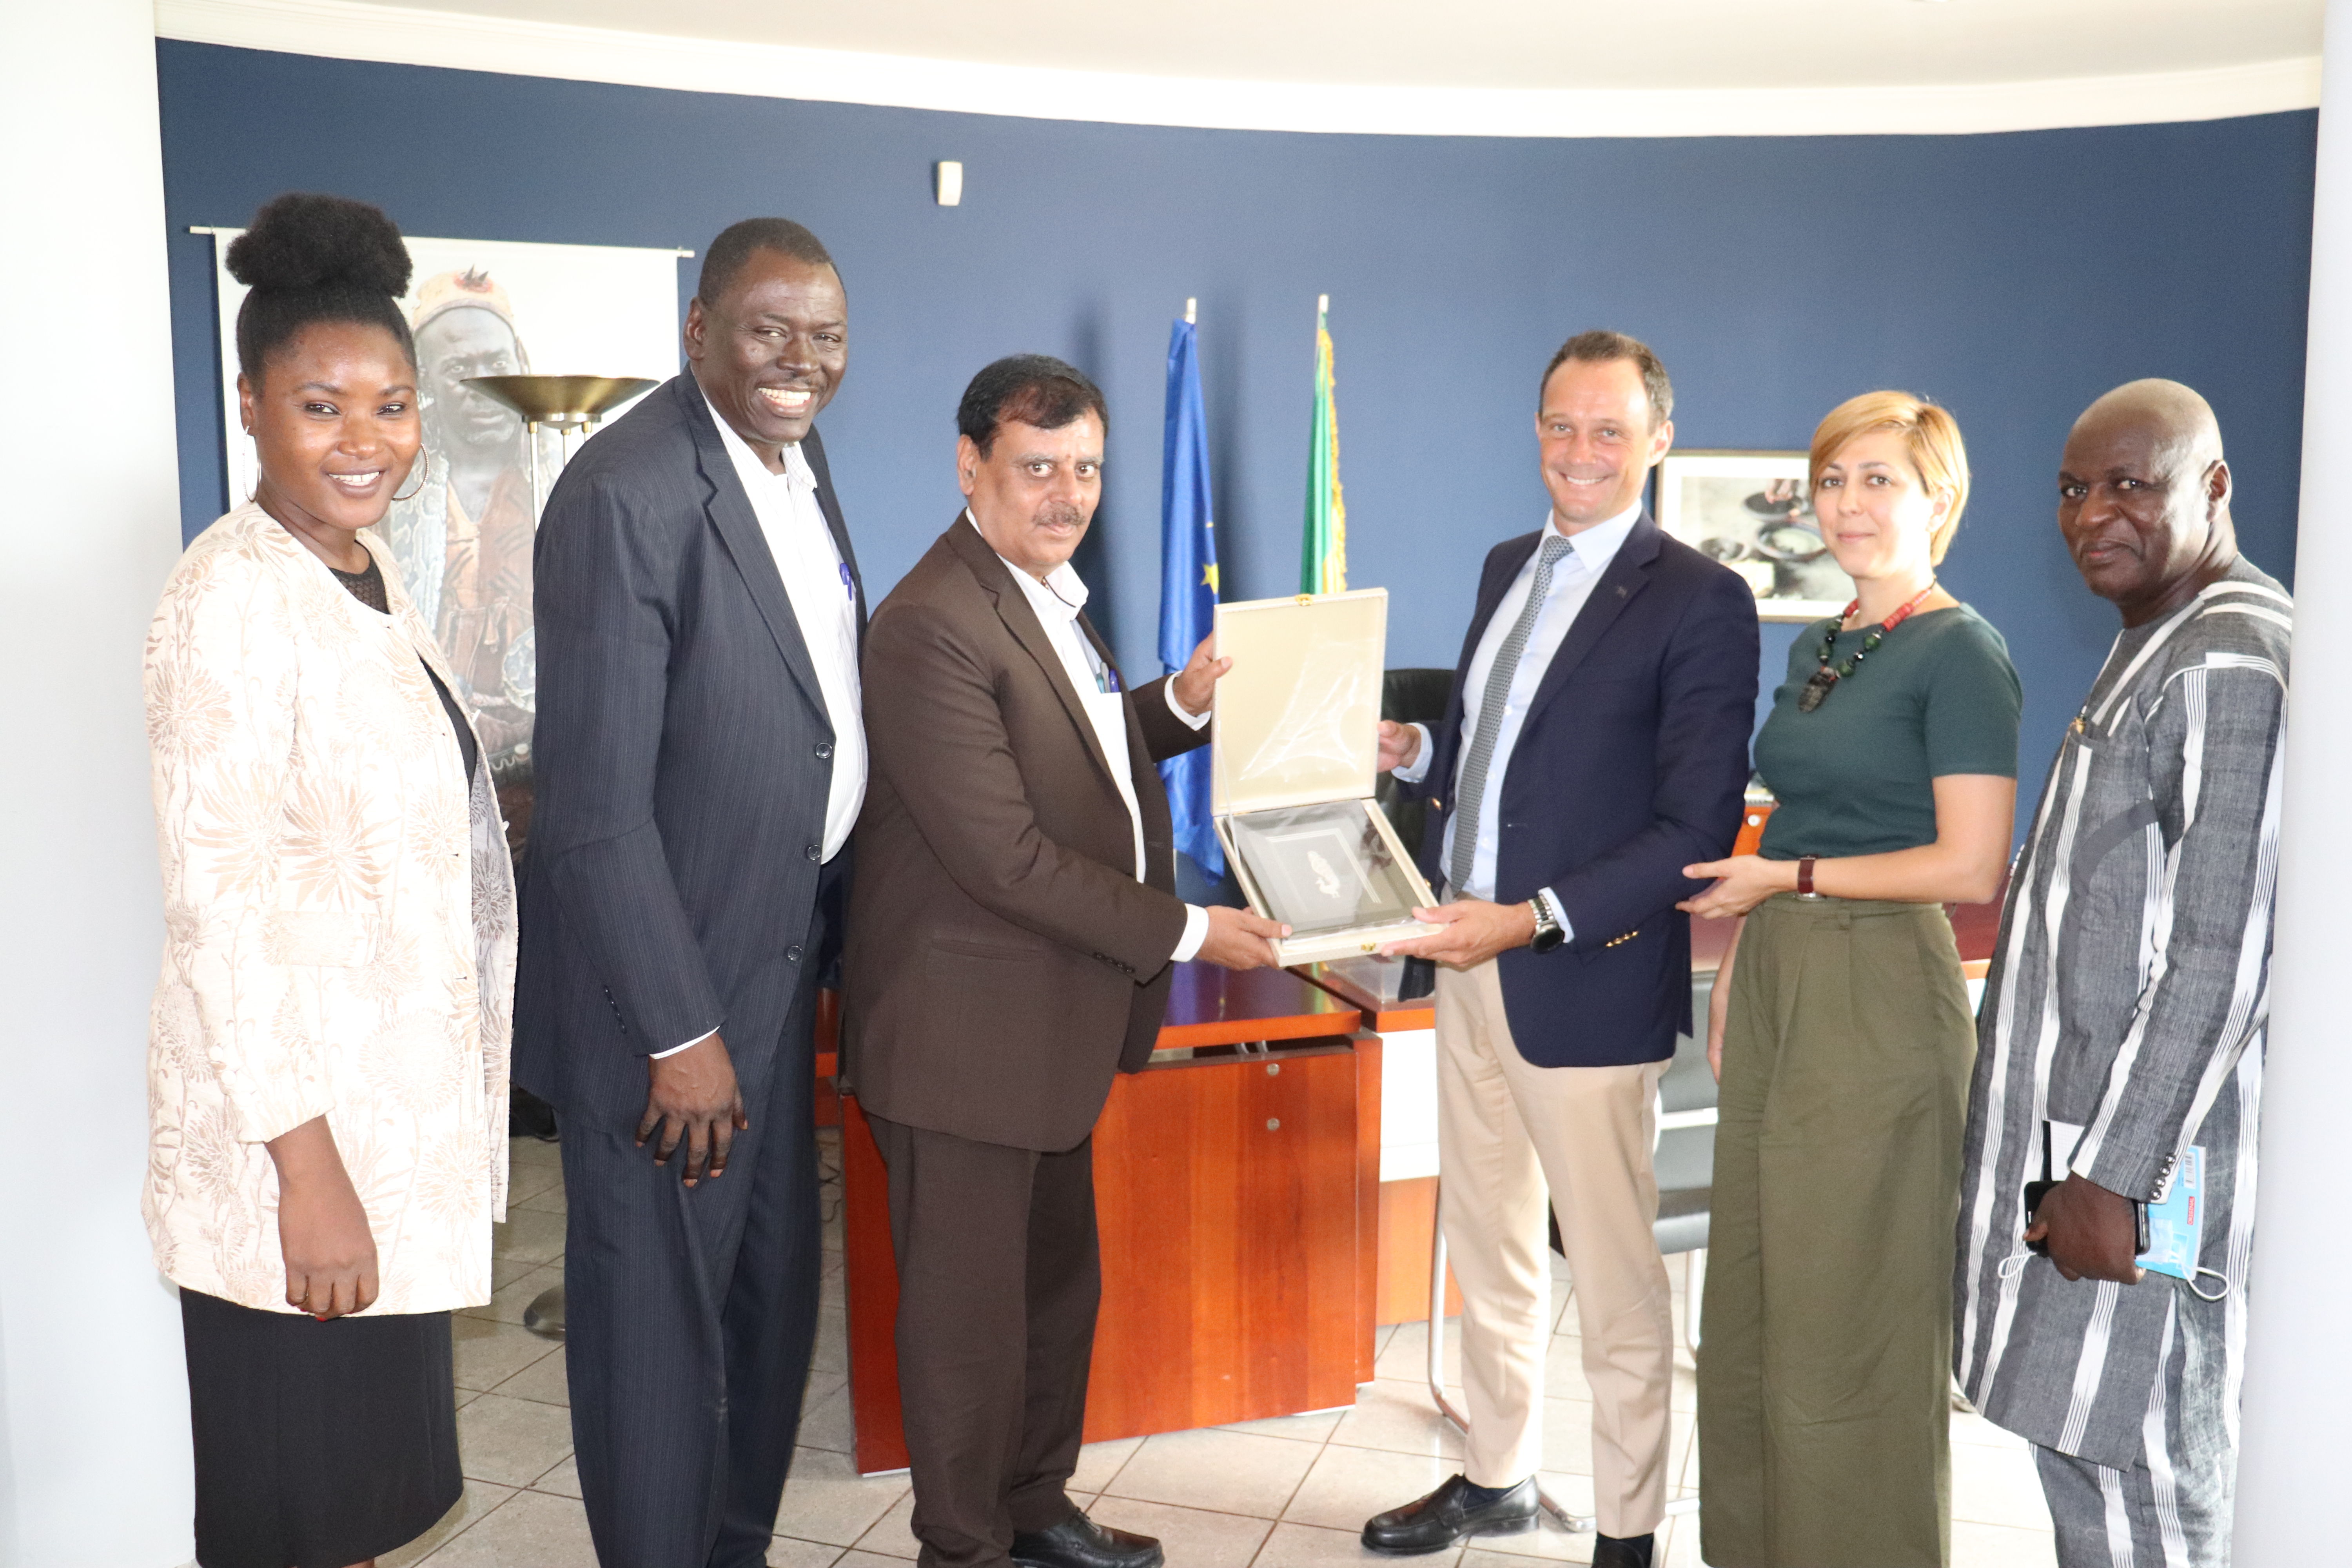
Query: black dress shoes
[
  {"x": 1623, "y": 1551},
  {"x": 1079, "y": 1543},
  {"x": 1452, "y": 1514}
]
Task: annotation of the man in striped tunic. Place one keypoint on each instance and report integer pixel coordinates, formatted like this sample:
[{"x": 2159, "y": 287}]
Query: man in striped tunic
[{"x": 2120, "y": 1042}]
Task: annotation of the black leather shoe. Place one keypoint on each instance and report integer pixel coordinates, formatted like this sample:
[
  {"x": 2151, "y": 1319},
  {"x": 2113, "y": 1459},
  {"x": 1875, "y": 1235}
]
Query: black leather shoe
[
  {"x": 1451, "y": 1515},
  {"x": 1621, "y": 1551},
  {"x": 1079, "y": 1543}
]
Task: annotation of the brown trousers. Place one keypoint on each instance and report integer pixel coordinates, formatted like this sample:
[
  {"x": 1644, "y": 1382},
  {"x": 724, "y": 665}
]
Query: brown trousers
[{"x": 998, "y": 1282}]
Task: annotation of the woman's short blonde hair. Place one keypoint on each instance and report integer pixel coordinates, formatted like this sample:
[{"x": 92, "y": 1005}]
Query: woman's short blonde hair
[{"x": 1931, "y": 434}]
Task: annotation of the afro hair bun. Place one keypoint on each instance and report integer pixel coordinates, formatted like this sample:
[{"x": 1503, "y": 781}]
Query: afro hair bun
[{"x": 300, "y": 241}]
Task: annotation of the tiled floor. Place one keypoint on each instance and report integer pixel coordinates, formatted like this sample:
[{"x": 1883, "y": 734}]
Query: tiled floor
[{"x": 1286, "y": 1493}]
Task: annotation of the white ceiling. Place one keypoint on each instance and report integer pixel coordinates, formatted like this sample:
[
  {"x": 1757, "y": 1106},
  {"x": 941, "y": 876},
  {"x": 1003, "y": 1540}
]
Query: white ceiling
[{"x": 1522, "y": 44}]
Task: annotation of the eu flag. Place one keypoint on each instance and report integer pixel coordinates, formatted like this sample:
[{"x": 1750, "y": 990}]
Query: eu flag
[{"x": 1188, "y": 584}]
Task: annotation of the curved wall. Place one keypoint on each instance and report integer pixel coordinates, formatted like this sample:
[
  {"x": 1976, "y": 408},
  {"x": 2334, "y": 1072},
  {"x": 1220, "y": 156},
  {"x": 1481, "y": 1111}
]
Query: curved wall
[{"x": 2012, "y": 277}]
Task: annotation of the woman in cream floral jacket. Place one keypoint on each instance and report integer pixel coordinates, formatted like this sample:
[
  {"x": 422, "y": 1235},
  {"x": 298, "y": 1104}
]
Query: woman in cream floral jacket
[
  {"x": 339, "y": 924},
  {"x": 328, "y": 1069}
]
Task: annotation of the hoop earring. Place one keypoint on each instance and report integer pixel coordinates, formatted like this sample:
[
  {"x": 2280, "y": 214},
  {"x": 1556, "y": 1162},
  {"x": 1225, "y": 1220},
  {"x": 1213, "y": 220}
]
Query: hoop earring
[{"x": 413, "y": 494}]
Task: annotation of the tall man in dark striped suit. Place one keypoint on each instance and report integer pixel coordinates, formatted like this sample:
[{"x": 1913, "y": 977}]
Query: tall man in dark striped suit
[
  {"x": 2120, "y": 1042},
  {"x": 701, "y": 760}
]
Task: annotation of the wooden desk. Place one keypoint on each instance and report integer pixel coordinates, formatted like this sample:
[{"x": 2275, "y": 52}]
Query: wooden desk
[
  {"x": 1407, "y": 1205},
  {"x": 1235, "y": 1192},
  {"x": 827, "y": 1104}
]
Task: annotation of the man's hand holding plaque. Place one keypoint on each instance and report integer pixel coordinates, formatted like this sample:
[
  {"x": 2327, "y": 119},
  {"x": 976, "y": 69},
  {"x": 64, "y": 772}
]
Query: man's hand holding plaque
[{"x": 1474, "y": 931}]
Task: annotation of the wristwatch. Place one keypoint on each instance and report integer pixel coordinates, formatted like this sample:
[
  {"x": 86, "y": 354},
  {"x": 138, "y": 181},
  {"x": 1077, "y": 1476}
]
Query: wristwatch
[
  {"x": 1549, "y": 935},
  {"x": 1805, "y": 877}
]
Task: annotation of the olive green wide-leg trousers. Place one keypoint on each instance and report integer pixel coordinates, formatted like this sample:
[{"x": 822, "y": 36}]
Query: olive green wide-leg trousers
[{"x": 1825, "y": 1367}]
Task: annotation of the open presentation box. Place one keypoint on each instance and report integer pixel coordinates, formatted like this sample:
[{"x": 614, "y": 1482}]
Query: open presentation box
[{"x": 1294, "y": 755}]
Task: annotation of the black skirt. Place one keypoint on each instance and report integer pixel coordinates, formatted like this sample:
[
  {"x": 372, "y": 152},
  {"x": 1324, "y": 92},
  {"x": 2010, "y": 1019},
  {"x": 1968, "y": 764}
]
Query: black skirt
[{"x": 317, "y": 1445}]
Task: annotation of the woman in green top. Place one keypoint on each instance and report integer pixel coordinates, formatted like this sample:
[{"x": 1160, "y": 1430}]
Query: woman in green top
[{"x": 1842, "y": 1033}]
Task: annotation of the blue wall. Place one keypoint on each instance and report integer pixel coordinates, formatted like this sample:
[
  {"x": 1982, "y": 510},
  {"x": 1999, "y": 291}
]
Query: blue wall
[{"x": 2012, "y": 277}]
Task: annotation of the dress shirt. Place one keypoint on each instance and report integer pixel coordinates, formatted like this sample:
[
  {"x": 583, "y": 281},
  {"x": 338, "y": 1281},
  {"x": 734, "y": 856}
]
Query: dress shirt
[
  {"x": 1057, "y": 600},
  {"x": 824, "y": 602},
  {"x": 1572, "y": 580}
]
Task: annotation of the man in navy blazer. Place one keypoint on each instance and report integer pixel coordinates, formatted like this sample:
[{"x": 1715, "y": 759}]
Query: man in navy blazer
[
  {"x": 1596, "y": 743},
  {"x": 701, "y": 759}
]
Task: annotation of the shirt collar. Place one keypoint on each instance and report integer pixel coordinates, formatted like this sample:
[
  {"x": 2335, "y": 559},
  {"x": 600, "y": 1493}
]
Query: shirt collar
[
  {"x": 1061, "y": 594},
  {"x": 797, "y": 474},
  {"x": 1596, "y": 546}
]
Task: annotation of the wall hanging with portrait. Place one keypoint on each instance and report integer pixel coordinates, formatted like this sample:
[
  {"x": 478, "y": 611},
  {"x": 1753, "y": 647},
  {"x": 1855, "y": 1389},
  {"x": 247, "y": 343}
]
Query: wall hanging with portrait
[{"x": 461, "y": 532}]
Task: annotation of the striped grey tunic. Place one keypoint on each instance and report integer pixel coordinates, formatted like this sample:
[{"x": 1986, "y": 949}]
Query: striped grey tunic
[{"x": 2128, "y": 997}]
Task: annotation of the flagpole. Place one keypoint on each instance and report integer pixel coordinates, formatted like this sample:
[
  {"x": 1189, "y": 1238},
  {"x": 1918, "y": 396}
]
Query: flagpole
[{"x": 1323, "y": 557}]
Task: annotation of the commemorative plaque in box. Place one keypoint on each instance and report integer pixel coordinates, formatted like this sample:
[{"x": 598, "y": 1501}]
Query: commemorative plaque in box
[{"x": 1294, "y": 756}]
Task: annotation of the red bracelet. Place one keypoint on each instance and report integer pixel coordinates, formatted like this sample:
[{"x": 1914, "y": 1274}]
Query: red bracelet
[{"x": 1805, "y": 877}]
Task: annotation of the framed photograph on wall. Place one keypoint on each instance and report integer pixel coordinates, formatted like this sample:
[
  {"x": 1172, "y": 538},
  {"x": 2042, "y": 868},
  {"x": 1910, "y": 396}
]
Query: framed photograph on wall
[{"x": 1752, "y": 512}]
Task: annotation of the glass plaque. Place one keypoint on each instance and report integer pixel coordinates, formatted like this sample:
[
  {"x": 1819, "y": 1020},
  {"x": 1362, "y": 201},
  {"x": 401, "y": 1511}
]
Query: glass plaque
[
  {"x": 1293, "y": 763},
  {"x": 1325, "y": 868}
]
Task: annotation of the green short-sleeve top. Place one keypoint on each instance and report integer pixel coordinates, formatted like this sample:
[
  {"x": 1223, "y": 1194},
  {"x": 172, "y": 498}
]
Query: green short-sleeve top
[{"x": 1855, "y": 776}]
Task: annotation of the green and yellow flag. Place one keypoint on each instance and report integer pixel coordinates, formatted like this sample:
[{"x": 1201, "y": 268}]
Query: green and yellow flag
[{"x": 1323, "y": 560}]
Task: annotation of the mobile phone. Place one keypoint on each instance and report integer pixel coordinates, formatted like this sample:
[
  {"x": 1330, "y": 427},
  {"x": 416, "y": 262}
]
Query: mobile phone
[{"x": 2034, "y": 1192}]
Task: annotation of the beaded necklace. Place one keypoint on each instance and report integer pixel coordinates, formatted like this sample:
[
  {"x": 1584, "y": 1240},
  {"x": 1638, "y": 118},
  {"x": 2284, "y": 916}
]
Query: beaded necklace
[{"x": 1826, "y": 677}]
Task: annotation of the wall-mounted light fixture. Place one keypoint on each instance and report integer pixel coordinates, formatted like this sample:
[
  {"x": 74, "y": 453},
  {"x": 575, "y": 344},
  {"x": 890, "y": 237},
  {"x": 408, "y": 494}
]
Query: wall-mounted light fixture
[{"x": 947, "y": 183}]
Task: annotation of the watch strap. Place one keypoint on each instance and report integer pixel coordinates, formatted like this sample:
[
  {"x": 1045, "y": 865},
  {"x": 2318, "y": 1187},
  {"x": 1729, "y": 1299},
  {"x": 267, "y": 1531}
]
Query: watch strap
[
  {"x": 1805, "y": 877},
  {"x": 1549, "y": 934}
]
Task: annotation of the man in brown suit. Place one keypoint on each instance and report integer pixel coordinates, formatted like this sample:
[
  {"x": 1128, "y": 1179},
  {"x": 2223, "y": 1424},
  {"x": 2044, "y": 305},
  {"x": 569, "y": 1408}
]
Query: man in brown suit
[{"x": 1017, "y": 928}]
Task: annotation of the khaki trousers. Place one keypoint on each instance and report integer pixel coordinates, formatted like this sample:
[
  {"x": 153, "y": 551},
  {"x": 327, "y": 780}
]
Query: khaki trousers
[
  {"x": 1825, "y": 1369},
  {"x": 1510, "y": 1136}
]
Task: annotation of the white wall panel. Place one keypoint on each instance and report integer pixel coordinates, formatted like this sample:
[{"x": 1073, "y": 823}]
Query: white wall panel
[{"x": 94, "y": 1466}]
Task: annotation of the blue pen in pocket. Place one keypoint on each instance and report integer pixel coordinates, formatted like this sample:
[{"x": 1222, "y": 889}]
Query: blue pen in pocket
[{"x": 848, "y": 584}]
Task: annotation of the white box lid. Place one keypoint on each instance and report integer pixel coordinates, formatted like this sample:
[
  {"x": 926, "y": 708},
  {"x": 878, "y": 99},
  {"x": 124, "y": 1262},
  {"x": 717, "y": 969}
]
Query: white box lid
[{"x": 1298, "y": 720}]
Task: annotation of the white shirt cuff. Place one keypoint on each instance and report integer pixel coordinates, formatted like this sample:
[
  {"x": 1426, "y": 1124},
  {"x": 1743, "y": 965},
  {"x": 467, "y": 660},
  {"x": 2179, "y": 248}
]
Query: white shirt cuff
[
  {"x": 1196, "y": 926},
  {"x": 1418, "y": 769},
  {"x": 1560, "y": 916},
  {"x": 1192, "y": 720},
  {"x": 656, "y": 1055}
]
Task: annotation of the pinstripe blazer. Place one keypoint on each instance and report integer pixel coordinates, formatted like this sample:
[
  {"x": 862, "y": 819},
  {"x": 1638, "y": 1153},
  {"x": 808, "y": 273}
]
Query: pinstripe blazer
[
  {"x": 684, "y": 755},
  {"x": 2128, "y": 998}
]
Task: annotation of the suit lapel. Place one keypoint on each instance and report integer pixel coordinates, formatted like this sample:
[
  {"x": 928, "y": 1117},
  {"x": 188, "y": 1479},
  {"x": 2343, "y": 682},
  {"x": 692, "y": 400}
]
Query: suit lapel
[
  {"x": 739, "y": 528},
  {"x": 1490, "y": 598},
  {"x": 1627, "y": 576},
  {"x": 1012, "y": 609},
  {"x": 812, "y": 448},
  {"x": 1500, "y": 574}
]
